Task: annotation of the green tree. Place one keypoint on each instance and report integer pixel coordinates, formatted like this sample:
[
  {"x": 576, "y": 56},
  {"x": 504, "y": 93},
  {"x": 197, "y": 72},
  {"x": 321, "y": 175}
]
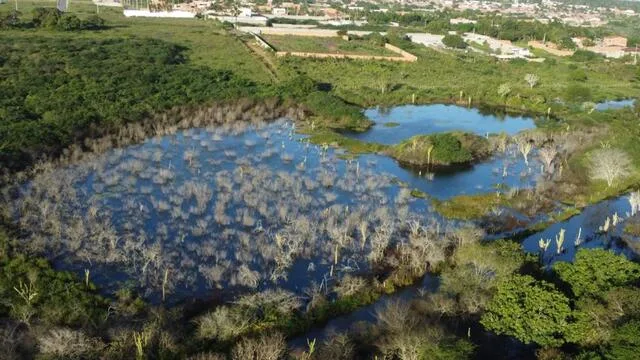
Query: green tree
[
  {"x": 584, "y": 56},
  {"x": 625, "y": 342},
  {"x": 454, "y": 41},
  {"x": 531, "y": 311},
  {"x": 578, "y": 93},
  {"x": 567, "y": 43},
  {"x": 578, "y": 75},
  {"x": 595, "y": 271},
  {"x": 69, "y": 23},
  {"x": 46, "y": 17},
  {"x": 10, "y": 20}
]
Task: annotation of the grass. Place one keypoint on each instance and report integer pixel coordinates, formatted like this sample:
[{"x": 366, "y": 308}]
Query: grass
[
  {"x": 632, "y": 228},
  {"x": 333, "y": 45},
  {"x": 353, "y": 146},
  {"x": 419, "y": 194},
  {"x": 476, "y": 75},
  {"x": 206, "y": 41},
  {"x": 468, "y": 207},
  {"x": 391, "y": 124},
  {"x": 566, "y": 214}
]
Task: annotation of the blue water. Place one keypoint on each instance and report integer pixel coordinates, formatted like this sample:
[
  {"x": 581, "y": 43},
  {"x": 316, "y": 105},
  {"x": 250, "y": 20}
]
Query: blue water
[
  {"x": 143, "y": 217},
  {"x": 342, "y": 324},
  {"x": 428, "y": 119},
  {"x": 587, "y": 225},
  {"x": 615, "y": 104},
  {"x": 487, "y": 176},
  {"x": 268, "y": 180}
]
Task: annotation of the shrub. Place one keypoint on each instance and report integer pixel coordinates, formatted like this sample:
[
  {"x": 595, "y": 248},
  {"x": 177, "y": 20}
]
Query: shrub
[
  {"x": 266, "y": 347},
  {"x": 46, "y": 17},
  {"x": 584, "y": 56},
  {"x": 69, "y": 22},
  {"x": 578, "y": 75},
  {"x": 376, "y": 39},
  {"x": 566, "y": 43},
  {"x": 454, "y": 41},
  {"x": 93, "y": 22},
  {"x": 44, "y": 109},
  {"x": 471, "y": 283},
  {"x": 625, "y": 343},
  {"x": 54, "y": 296},
  {"x": 595, "y": 271},
  {"x": 441, "y": 149},
  {"x": 395, "y": 317},
  {"x": 208, "y": 356},
  {"x": 68, "y": 344},
  {"x": 280, "y": 301},
  {"x": 350, "y": 285},
  {"x": 531, "y": 311},
  {"x": 588, "y": 43},
  {"x": 223, "y": 324},
  {"x": 11, "y": 20},
  {"x": 578, "y": 93},
  {"x": 337, "y": 347},
  {"x": 336, "y": 113}
]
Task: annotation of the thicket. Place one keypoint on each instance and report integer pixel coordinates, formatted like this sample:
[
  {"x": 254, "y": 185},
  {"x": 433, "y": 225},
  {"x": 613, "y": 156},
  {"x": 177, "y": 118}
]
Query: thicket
[
  {"x": 454, "y": 41},
  {"x": 54, "y": 91},
  {"x": 592, "y": 303},
  {"x": 51, "y": 18},
  {"x": 507, "y": 28},
  {"x": 441, "y": 149}
]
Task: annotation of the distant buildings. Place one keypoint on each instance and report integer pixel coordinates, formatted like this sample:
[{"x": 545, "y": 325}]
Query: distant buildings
[
  {"x": 501, "y": 49},
  {"x": 610, "y": 46},
  {"x": 457, "y": 21},
  {"x": 613, "y": 47},
  {"x": 550, "y": 48},
  {"x": 616, "y": 41}
]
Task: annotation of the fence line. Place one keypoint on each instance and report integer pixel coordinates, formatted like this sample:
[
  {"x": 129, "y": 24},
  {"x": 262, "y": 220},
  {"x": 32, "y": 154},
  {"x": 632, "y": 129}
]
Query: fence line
[{"x": 404, "y": 55}]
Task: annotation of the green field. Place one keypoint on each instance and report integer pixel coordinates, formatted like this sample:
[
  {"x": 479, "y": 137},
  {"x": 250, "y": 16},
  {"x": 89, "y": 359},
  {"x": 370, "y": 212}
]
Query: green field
[
  {"x": 331, "y": 45},
  {"x": 442, "y": 76},
  {"x": 206, "y": 42}
]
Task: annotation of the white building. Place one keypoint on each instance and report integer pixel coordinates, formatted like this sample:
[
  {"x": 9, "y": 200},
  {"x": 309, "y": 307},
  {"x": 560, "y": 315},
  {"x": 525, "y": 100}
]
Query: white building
[
  {"x": 159, "y": 14},
  {"x": 279, "y": 11}
]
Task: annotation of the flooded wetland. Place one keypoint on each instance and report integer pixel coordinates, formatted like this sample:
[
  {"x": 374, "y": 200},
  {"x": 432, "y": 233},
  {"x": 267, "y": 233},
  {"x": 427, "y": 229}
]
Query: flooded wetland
[{"x": 253, "y": 206}]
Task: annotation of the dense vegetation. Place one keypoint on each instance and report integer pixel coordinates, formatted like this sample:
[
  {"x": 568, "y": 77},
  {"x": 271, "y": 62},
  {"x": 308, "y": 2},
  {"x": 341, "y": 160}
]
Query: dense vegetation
[
  {"x": 497, "y": 26},
  {"x": 454, "y": 41},
  {"x": 56, "y": 91},
  {"x": 50, "y": 18},
  {"x": 442, "y": 149}
]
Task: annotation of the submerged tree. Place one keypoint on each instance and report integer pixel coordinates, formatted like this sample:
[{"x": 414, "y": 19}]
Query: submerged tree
[{"x": 525, "y": 146}]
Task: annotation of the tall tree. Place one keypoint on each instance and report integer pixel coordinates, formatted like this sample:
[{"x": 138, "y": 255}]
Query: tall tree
[{"x": 531, "y": 311}]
